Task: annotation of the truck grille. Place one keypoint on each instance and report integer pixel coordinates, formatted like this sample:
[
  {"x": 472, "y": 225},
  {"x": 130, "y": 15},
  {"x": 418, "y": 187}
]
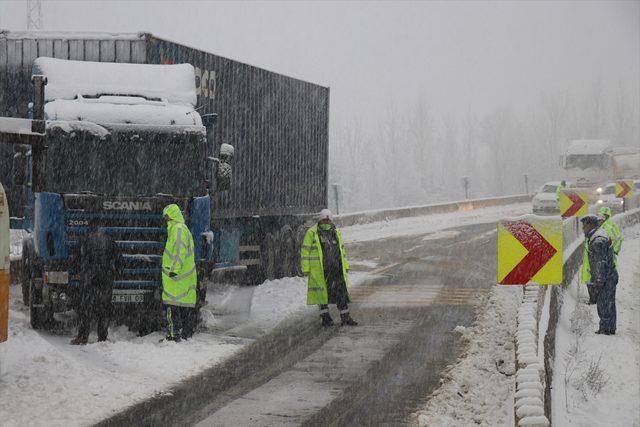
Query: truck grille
[{"x": 140, "y": 238}]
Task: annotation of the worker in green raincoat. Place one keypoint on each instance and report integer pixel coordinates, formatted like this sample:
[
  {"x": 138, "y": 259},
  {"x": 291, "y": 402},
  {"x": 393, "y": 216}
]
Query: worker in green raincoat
[
  {"x": 179, "y": 278},
  {"x": 612, "y": 229},
  {"x": 325, "y": 264}
]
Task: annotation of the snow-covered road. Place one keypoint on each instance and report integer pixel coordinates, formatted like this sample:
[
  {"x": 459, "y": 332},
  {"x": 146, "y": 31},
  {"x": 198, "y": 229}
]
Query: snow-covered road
[{"x": 52, "y": 383}]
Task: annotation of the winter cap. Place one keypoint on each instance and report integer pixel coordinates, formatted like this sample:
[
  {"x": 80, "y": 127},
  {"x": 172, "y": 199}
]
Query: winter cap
[
  {"x": 605, "y": 210},
  {"x": 325, "y": 214},
  {"x": 590, "y": 219}
]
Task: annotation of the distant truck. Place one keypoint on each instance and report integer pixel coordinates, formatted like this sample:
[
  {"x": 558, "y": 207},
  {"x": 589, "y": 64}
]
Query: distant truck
[
  {"x": 278, "y": 125},
  {"x": 593, "y": 163}
]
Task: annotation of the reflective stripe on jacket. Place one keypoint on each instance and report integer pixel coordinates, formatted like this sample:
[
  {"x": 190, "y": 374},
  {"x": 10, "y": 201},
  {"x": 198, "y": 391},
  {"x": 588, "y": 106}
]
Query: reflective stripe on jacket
[
  {"x": 178, "y": 258},
  {"x": 311, "y": 257}
]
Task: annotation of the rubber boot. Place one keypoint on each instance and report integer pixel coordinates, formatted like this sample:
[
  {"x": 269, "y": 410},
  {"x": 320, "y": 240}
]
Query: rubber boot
[
  {"x": 347, "y": 320},
  {"x": 326, "y": 319}
]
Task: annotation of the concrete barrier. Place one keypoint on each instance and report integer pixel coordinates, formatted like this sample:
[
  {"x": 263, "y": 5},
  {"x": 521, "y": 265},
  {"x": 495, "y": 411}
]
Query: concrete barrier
[{"x": 390, "y": 214}]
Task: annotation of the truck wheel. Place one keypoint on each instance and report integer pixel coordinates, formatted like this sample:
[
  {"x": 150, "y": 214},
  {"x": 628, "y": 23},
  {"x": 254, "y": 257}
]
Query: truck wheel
[
  {"x": 268, "y": 254},
  {"x": 287, "y": 253},
  {"x": 299, "y": 239},
  {"x": 41, "y": 316}
]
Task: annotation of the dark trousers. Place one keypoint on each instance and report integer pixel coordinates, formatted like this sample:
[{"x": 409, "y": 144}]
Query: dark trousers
[
  {"x": 102, "y": 317},
  {"x": 606, "y": 303},
  {"x": 95, "y": 305},
  {"x": 337, "y": 294},
  {"x": 593, "y": 293},
  {"x": 181, "y": 321}
]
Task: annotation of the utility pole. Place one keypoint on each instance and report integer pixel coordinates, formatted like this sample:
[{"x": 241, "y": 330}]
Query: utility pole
[{"x": 34, "y": 14}]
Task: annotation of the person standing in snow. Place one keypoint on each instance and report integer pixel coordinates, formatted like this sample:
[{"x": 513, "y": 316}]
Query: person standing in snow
[
  {"x": 612, "y": 229},
  {"x": 604, "y": 276},
  {"x": 179, "y": 277},
  {"x": 325, "y": 264},
  {"x": 99, "y": 264}
]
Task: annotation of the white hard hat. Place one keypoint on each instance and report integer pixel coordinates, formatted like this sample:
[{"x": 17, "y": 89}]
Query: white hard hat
[{"x": 325, "y": 214}]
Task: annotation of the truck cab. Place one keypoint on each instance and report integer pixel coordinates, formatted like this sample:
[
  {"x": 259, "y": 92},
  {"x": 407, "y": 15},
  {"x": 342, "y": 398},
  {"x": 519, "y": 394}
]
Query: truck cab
[{"x": 122, "y": 142}]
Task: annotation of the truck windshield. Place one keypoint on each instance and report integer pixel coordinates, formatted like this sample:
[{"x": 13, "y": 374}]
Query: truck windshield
[
  {"x": 126, "y": 163},
  {"x": 586, "y": 161}
]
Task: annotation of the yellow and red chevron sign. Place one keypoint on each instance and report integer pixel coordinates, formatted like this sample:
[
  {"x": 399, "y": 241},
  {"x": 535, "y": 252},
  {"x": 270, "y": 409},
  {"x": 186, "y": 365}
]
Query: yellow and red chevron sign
[
  {"x": 624, "y": 189},
  {"x": 573, "y": 203},
  {"x": 530, "y": 250}
]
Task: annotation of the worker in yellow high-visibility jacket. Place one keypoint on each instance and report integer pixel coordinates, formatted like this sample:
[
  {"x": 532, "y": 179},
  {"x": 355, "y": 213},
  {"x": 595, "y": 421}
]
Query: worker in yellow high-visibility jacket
[
  {"x": 179, "y": 278},
  {"x": 325, "y": 264}
]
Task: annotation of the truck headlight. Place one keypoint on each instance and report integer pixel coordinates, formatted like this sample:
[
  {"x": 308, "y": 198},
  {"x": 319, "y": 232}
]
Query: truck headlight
[
  {"x": 599, "y": 190},
  {"x": 599, "y": 202}
]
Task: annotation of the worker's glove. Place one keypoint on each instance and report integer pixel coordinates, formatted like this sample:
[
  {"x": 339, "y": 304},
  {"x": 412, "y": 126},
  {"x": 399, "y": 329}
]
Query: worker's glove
[{"x": 172, "y": 274}]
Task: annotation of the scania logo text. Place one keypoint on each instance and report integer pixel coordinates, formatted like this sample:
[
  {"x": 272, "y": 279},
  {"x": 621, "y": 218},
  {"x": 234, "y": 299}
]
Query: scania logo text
[{"x": 126, "y": 206}]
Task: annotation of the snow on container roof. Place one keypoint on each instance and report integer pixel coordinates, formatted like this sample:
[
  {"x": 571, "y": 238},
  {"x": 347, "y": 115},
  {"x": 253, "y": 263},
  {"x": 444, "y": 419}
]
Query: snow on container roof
[
  {"x": 67, "y": 79},
  {"x": 122, "y": 110},
  {"x": 69, "y": 35},
  {"x": 589, "y": 146}
]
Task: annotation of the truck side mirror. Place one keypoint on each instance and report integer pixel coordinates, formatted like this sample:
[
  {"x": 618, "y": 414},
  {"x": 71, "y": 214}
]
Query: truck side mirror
[{"x": 19, "y": 165}]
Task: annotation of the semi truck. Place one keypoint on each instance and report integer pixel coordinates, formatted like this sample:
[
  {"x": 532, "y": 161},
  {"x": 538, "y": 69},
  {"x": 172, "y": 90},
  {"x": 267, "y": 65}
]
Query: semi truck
[
  {"x": 277, "y": 124},
  {"x": 593, "y": 163}
]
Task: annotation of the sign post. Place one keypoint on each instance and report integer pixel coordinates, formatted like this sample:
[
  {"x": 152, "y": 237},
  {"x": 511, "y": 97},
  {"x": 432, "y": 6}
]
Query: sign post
[
  {"x": 530, "y": 251},
  {"x": 4, "y": 278}
]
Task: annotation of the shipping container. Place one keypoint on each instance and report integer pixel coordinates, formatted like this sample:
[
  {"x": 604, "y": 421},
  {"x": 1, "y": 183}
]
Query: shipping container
[{"x": 277, "y": 124}]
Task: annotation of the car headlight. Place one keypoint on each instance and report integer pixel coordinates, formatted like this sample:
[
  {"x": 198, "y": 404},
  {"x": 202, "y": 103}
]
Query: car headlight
[
  {"x": 599, "y": 190},
  {"x": 600, "y": 202}
]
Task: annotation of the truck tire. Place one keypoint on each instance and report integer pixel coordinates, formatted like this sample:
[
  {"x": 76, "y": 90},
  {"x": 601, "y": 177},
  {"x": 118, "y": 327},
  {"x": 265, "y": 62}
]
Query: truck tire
[
  {"x": 299, "y": 239},
  {"x": 287, "y": 255},
  {"x": 268, "y": 256},
  {"x": 41, "y": 316}
]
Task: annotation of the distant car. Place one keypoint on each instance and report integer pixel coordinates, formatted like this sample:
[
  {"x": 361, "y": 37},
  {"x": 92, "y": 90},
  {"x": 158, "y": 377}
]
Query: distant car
[
  {"x": 608, "y": 198},
  {"x": 545, "y": 202}
]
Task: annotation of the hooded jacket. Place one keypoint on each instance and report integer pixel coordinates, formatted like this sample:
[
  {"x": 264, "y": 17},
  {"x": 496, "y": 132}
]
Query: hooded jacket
[{"x": 179, "y": 278}]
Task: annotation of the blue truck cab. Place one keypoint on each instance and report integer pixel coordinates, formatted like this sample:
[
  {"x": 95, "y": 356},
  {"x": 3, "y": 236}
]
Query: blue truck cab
[{"x": 122, "y": 141}]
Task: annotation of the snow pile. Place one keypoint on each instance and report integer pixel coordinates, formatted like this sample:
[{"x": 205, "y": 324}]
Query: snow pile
[
  {"x": 596, "y": 379},
  {"x": 478, "y": 389},
  {"x": 67, "y": 79},
  {"x": 78, "y": 126},
  {"x": 529, "y": 380},
  {"x": 108, "y": 109}
]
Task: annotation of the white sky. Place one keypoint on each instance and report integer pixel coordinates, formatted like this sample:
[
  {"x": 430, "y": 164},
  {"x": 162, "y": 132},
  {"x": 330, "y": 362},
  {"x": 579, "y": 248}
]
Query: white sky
[{"x": 460, "y": 54}]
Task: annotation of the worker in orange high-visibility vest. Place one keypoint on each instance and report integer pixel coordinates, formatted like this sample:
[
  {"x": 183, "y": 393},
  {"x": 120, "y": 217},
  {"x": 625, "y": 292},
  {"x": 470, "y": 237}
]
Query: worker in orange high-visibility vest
[{"x": 4, "y": 278}]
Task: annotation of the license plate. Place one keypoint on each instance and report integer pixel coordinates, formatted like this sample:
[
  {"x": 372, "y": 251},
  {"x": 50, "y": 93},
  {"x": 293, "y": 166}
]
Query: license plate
[{"x": 127, "y": 298}]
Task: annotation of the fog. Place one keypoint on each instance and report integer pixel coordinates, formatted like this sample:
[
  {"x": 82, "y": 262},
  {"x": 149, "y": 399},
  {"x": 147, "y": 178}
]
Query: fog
[{"x": 422, "y": 93}]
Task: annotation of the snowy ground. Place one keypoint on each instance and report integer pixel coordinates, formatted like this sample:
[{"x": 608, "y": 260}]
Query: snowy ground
[
  {"x": 427, "y": 224},
  {"x": 478, "y": 389},
  {"x": 52, "y": 383},
  {"x": 585, "y": 361}
]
